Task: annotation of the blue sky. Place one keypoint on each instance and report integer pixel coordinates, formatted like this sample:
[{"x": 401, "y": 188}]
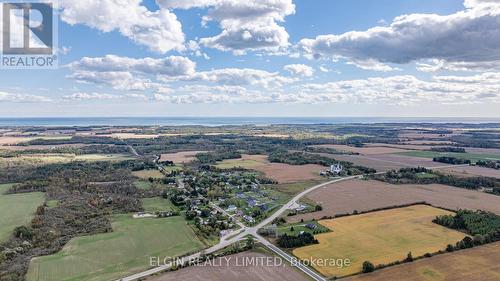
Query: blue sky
[{"x": 417, "y": 58}]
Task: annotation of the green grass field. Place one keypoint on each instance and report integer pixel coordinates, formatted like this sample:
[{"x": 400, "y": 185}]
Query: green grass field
[
  {"x": 154, "y": 204},
  {"x": 146, "y": 174},
  {"x": 52, "y": 203},
  {"x": 169, "y": 169},
  {"x": 379, "y": 237},
  {"x": 16, "y": 209},
  {"x": 142, "y": 184},
  {"x": 294, "y": 188},
  {"x": 125, "y": 251},
  {"x": 474, "y": 157}
]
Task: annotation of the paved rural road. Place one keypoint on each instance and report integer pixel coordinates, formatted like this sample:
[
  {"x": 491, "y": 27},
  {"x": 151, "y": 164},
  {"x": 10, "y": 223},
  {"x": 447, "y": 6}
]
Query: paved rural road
[{"x": 244, "y": 231}]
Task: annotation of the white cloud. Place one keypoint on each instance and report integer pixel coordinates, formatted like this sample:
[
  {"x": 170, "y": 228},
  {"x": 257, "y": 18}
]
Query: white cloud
[
  {"x": 407, "y": 89},
  {"x": 400, "y": 90},
  {"x": 470, "y": 36},
  {"x": 21, "y": 98},
  {"x": 299, "y": 70},
  {"x": 169, "y": 66},
  {"x": 436, "y": 65},
  {"x": 119, "y": 80},
  {"x": 241, "y": 77},
  {"x": 371, "y": 64},
  {"x": 89, "y": 96},
  {"x": 94, "y": 96},
  {"x": 246, "y": 24},
  {"x": 160, "y": 30},
  {"x": 137, "y": 96},
  {"x": 123, "y": 73}
]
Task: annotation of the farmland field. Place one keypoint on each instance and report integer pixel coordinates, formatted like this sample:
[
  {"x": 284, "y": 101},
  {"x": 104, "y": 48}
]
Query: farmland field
[
  {"x": 157, "y": 204},
  {"x": 12, "y": 140},
  {"x": 380, "y": 237},
  {"x": 385, "y": 162},
  {"x": 52, "y": 158},
  {"x": 246, "y": 161},
  {"x": 472, "y": 171},
  {"x": 180, "y": 157},
  {"x": 16, "y": 209},
  {"x": 283, "y": 173},
  {"x": 296, "y": 187},
  {"x": 469, "y": 156},
  {"x": 234, "y": 271},
  {"x": 363, "y": 195},
  {"x": 479, "y": 263},
  {"x": 146, "y": 174},
  {"x": 110, "y": 256}
]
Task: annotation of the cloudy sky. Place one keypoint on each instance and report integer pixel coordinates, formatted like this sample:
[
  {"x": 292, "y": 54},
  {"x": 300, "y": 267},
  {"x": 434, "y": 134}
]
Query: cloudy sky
[{"x": 418, "y": 58}]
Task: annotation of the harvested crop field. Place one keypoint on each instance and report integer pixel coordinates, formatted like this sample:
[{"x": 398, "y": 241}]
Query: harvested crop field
[
  {"x": 379, "y": 237},
  {"x": 385, "y": 162},
  {"x": 180, "y": 157},
  {"x": 41, "y": 147},
  {"x": 472, "y": 171},
  {"x": 52, "y": 158},
  {"x": 362, "y": 195},
  {"x": 8, "y": 140},
  {"x": 246, "y": 161},
  {"x": 284, "y": 173},
  {"x": 234, "y": 271},
  {"x": 129, "y": 136},
  {"x": 479, "y": 263}
]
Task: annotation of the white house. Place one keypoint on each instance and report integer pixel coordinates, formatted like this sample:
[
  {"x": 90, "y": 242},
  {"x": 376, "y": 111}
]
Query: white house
[
  {"x": 232, "y": 208},
  {"x": 336, "y": 168}
]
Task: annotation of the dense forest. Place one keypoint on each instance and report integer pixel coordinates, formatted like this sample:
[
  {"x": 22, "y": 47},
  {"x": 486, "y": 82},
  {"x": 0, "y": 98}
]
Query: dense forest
[
  {"x": 489, "y": 164},
  {"x": 484, "y": 227},
  {"x": 300, "y": 240}
]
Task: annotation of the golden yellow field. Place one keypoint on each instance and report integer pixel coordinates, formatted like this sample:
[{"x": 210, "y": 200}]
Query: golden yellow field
[
  {"x": 52, "y": 158},
  {"x": 379, "y": 237},
  {"x": 478, "y": 263}
]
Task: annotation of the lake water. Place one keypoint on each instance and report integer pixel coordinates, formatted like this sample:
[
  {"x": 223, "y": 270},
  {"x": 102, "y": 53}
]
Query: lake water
[{"x": 220, "y": 121}]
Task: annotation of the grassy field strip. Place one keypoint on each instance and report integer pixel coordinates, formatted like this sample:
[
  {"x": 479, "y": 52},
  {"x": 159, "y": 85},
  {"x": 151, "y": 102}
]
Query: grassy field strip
[
  {"x": 380, "y": 237},
  {"x": 16, "y": 209}
]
